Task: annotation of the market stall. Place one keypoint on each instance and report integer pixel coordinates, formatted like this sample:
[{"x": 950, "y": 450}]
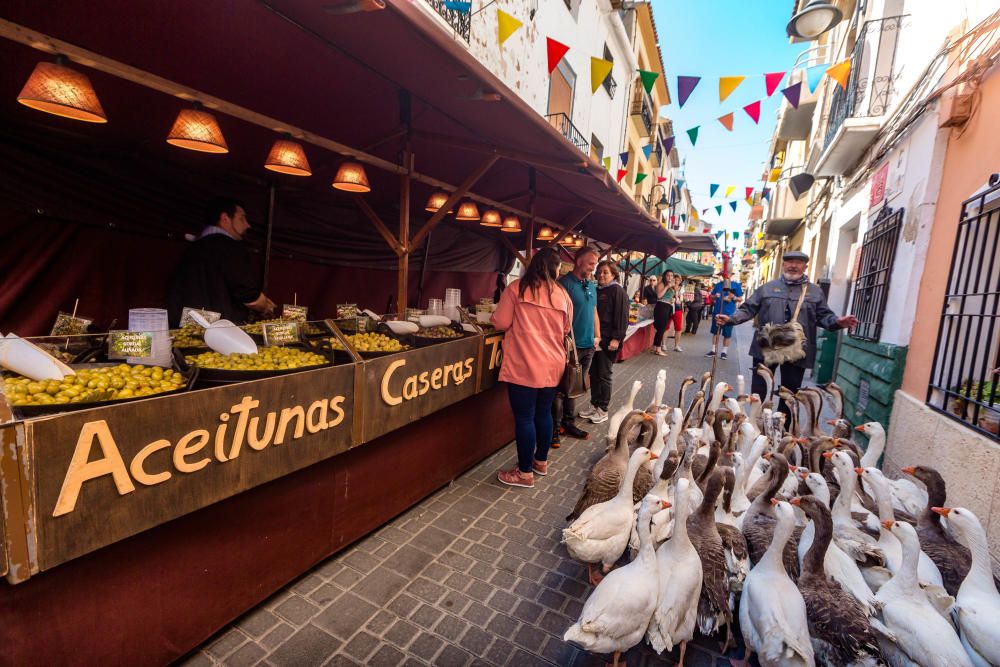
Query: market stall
[{"x": 140, "y": 519}]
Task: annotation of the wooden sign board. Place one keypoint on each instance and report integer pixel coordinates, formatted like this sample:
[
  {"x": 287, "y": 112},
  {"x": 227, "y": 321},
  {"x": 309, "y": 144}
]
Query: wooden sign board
[
  {"x": 492, "y": 356},
  {"x": 104, "y": 474},
  {"x": 402, "y": 388}
]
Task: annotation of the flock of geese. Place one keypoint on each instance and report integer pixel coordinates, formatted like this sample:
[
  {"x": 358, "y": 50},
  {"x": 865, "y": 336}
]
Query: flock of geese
[{"x": 721, "y": 509}]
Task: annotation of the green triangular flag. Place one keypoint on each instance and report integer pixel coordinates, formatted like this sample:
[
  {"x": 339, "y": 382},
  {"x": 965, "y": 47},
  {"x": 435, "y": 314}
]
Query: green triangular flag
[
  {"x": 639, "y": 178},
  {"x": 718, "y": 209},
  {"x": 684, "y": 217},
  {"x": 693, "y": 134},
  {"x": 648, "y": 79},
  {"x": 736, "y": 235}
]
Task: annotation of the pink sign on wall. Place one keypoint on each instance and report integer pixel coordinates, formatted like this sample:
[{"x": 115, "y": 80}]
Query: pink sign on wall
[{"x": 878, "y": 185}]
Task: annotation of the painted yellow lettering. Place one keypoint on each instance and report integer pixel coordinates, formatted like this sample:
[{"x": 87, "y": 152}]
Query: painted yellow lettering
[
  {"x": 286, "y": 416},
  {"x": 137, "y": 467},
  {"x": 191, "y": 443},
  {"x": 336, "y": 405},
  {"x": 436, "y": 378},
  {"x": 82, "y": 469},
  {"x": 316, "y": 417},
  {"x": 256, "y": 443},
  {"x": 410, "y": 388},
  {"x": 425, "y": 384},
  {"x": 220, "y": 439},
  {"x": 386, "y": 396},
  {"x": 242, "y": 410}
]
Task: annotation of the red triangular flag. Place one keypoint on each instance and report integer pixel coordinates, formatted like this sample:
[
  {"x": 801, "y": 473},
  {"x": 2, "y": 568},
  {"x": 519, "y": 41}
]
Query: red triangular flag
[
  {"x": 727, "y": 121},
  {"x": 772, "y": 81},
  {"x": 621, "y": 174},
  {"x": 556, "y": 51},
  {"x": 753, "y": 110},
  {"x": 749, "y": 192},
  {"x": 660, "y": 179}
]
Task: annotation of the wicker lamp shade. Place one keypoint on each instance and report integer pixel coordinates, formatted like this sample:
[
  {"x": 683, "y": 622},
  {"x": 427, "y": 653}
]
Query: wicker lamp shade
[
  {"x": 510, "y": 224},
  {"x": 351, "y": 177},
  {"x": 436, "y": 201},
  {"x": 467, "y": 211},
  {"x": 491, "y": 218},
  {"x": 197, "y": 130},
  {"x": 59, "y": 90},
  {"x": 545, "y": 234},
  {"x": 288, "y": 157}
]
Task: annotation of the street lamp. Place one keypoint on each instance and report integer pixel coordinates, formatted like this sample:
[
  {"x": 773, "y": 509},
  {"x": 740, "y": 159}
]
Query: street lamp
[
  {"x": 662, "y": 203},
  {"x": 816, "y": 17}
]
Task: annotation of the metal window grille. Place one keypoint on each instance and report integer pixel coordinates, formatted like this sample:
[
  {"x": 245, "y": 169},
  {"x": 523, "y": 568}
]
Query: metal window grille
[
  {"x": 878, "y": 253},
  {"x": 461, "y": 22},
  {"x": 561, "y": 122},
  {"x": 965, "y": 377}
]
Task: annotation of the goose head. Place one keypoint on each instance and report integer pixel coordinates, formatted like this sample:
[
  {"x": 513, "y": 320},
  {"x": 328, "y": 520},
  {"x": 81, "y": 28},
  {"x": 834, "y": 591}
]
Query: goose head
[
  {"x": 871, "y": 429},
  {"x": 818, "y": 487},
  {"x": 964, "y": 522}
]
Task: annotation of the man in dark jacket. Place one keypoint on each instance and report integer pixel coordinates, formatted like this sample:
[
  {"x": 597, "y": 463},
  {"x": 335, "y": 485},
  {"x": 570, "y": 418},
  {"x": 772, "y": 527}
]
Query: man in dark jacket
[
  {"x": 216, "y": 272},
  {"x": 694, "y": 308},
  {"x": 774, "y": 303}
]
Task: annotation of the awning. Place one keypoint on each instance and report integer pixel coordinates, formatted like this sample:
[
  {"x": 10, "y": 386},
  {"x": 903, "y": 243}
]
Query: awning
[
  {"x": 696, "y": 242},
  {"x": 683, "y": 267}
]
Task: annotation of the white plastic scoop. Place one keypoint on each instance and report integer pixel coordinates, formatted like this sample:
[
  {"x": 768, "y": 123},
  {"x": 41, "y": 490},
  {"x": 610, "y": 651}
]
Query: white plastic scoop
[
  {"x": 29, "y": 360},
  {"x": 225, "y": 337}
]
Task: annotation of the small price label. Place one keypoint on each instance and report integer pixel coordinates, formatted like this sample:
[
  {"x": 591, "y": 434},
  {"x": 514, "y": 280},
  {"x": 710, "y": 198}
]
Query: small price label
[
  {"x": 293, "y": 312},
  {"x": 67, "y": 325},
  {"x": 209, "y": 315},
  {"x": 280, "y": 333},
  {"x": 124, "y": 344}
]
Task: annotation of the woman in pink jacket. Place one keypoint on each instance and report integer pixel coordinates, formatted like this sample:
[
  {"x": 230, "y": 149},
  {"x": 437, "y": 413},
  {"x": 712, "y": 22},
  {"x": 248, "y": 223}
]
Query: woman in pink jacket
[{"x": 536, "y": 313}]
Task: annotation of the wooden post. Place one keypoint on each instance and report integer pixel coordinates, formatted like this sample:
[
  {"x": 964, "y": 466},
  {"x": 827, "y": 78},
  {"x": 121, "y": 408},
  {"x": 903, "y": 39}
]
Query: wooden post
[
  {"x": 403, "y": 271},
  {"x": 271, "y": 195},
  {"x": 531, "y": 219}
]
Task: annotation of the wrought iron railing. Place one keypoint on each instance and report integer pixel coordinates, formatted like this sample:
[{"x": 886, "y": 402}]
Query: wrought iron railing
[
  {"x": 610, "y": 85},
  {"x": 658, "y": 153},
  {"x": 871, "y": 290},
  {"x": 869, "y": 87},
  {"x": 965, "y": 377},
  {"x": 561, "y": 122},
  {"x": 461, "y": 22},
  {"x": 640, "y": 108}
]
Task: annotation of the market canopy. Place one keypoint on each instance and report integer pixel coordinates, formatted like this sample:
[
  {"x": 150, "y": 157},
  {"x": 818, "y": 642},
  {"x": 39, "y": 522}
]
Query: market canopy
[
  {"x": 696, "y": 242},
  {"x": 655, "y": 267}
]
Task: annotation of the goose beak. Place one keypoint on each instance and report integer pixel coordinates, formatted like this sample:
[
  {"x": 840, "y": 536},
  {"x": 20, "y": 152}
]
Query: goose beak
[
  {"x": 860, "y": 471},
  {"x": 860, "y": 429},
  {"x": 795, "y": 501},
  {"x": 943, "y": 511},
  {"x": 802, "y": 441},
  {"x": 792, "y": 468},
  {"x": 775, "y": 501},
  {"x": 804, "y": 474},
  {"x": 653, "y": 456},
  {"x": 648, "y": 417},
  {"x": 831, "y": 422},
  {"x": 910, "y": 470},
  {"x": 665, "y": 504},
  {"x": 767, "y": 455},
  {"x": 888, "y": 524},
  {"x": 827, "y": 455}
]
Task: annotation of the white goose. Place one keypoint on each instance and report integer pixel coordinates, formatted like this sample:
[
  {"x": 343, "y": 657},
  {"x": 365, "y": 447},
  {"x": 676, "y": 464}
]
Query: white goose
[
  {"x": 857, "y": 544},
  {"x": 772, "y": 611},
  {"x": 619, "y": 416},
  {"x": 978, "y": 602},
  {"x": 922, "y": 636},
  {"x": 600, "y": 534},
  {"x": 659, "y": 387},
  {"x": 680, "y": 573},
  {"x": 906, "y": 495},
  {"x": 617, "y": 613}
]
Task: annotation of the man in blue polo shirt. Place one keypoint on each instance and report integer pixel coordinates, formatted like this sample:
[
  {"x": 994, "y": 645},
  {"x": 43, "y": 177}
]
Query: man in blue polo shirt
[
  {"x": 724, "y": 302},
  {"x": 582, "y": 291}
]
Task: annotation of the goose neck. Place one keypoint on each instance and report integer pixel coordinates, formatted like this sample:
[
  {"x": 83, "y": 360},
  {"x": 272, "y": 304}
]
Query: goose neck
[{"x": 981, "y": 572}]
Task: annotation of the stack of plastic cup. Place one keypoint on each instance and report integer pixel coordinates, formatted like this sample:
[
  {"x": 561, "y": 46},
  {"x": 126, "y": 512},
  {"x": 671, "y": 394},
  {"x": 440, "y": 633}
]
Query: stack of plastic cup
[
  {"x": 435, "y": 307},
  {"x": 153, "y": 320},
  {"x": 452, "y": 303}
]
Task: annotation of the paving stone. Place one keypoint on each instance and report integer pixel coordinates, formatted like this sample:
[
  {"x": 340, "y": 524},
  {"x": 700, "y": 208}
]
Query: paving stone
[
  {"x": 477, "y": 614},
  {"x": 530, "y": 571},
  {"x": 401, "y": 633},
  {"x": 525, "y": 588},
  {"x": 360, "y": 561},
  {"x": 296, "y": 610},
  {"x": 493, "y": 541},
  {"x": 573, "y": 588},
  {"x": 573, "y": 608},
  {"x": 560, "y": 652},
  {"x": 387, "y": 656},
  {"x": 457, "y": 581},
  {"x": 453, "y": 521},
  {"x": 341, "y": 660},
  {"x": 479, "y": 590},
  {"x": 308, "y": 646},
  {"x": 344, "y": 618},
  {"x": 525, "y": 659},
  {"x": 503, "y": 579},
  {"x": 502, "y": 601},
  {"x": 500, "y": 652},
  {"x": 554, "y": 623},
  {"x": 455, "y": 560},
  {"x": 503, "y": 626},
  {"x": 361, "y": 646},
  {"x": 258, "y": 622},
  {"x": 474, "y": 534},
  {"x": 508, "y": 563},
  {"x": 227, "y": 642},
  {"x": 437, "y": 572},
  {"x": 472, "y": 505},
  {"x": 426, "y": 589},
  {"x": 453, "y": 602},
  {"x": 198, "y": 659},
  {"x": 281, "y": 632},
  {"x": 403, "y": 605},
  {"x": 451, "y": 627},
  {"x": 347, "y": 577},
  {"x": 481, "y": 570},
  {"x": 426, "y": 646},
  {"x": 426, "y": 616},
  {"x": 432, "y": 540},
  {"x": 527, "y": 611},
  {"x": 380, "y": 586},
  {"x": 246, "y": 655},
  {"x": 307, "y": 584},
  {"x": 452, "y": 656},
  {"x": 380, "y": 622},
  {"x": 551, "y": 599},
  {"x": 409, "y": 561},
  {"x": 324, "y": 594},
  {"x": 476, "y": 640}
]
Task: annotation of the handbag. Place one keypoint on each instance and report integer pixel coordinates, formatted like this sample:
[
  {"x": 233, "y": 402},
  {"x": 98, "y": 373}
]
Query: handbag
[
  {"x": 784, "y": 343},
  {"x": 573, "y": 383}
]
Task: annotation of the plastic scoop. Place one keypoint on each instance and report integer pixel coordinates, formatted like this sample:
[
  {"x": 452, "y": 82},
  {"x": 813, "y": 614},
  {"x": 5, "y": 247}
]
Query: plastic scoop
[
  {"x": 29, "y": 360},
  {"x": 225, "y": 337}
]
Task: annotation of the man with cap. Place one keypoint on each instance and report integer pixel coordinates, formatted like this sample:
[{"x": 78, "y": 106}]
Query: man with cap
[{"x": 774, "y": 303}]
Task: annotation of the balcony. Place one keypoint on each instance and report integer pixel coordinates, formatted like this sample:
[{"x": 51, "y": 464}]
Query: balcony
[
  {"x": 794, "y": 123},
  {"x": 858, "y": 112},
  {"x": 461, "y": 22},
  {"x": 784, "y": 211},
  {"x": 561, "y": 122},
  {"x": 657, "y": 154},
  {"x": 641, "y": 113}
]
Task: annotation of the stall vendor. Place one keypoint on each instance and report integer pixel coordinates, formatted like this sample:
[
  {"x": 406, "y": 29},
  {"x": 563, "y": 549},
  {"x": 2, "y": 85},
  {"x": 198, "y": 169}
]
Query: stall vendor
[{"x": 216, "y": 272}]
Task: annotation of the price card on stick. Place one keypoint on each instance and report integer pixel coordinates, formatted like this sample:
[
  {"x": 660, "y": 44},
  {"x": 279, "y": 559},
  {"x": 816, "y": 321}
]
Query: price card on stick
[
  {"x": 280, "y": 333},
  {"x": 69, "y": 325},
  {"x": 209, "y": 315},
  {"x": 125, "y": 344},
  {"x": 291, "y": 311}
]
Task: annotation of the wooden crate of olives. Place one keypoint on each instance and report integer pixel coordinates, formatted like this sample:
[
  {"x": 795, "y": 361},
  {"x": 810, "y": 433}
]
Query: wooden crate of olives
[
  {"x": 372, "y": 344},
  {"x": 439, "y": 334},
  {"x": 216, "y": 368}
]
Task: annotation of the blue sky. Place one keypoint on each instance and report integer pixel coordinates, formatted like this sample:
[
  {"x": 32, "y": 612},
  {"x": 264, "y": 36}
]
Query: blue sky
[{"x": 713, "y": 38}]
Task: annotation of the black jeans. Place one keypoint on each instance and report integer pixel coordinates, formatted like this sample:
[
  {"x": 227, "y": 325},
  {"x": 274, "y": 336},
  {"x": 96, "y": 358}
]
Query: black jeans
[
  {"x": 791, "y": 379},
  {"x": 532, "y": 410},
  {"x": 693, "y": 320},
  {"x": 662, "y": 314},
  {"x": 600, "y": 378},
  {"x": 564, "y": 407}
]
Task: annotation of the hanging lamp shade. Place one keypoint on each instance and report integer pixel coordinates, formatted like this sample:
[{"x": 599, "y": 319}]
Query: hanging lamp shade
[
  {"x": 59, "y": 90},
  {"x": 545, "y": 234},
  {"x": 436, "y": 201},
  {"x": 510, "y": 224},
  {"x": 351, "y": 177},
  {"x": 567, "y": 241},
  {"x": 578, "y": 242},
  {"x": 288, "y": 157},
  {"x": 817, "y": 17},
  {"x": 491, "y": 218},
  {"x": 467, "y": 211},
  {"x": 197, "y": 130}
]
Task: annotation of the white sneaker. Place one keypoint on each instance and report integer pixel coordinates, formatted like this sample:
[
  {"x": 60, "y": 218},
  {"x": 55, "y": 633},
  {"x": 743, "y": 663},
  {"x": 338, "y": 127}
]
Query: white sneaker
[
  {"x": 589, "y": 412},
  {"x": 599, "y": 417},
  {"x": 678, "y": 348}
]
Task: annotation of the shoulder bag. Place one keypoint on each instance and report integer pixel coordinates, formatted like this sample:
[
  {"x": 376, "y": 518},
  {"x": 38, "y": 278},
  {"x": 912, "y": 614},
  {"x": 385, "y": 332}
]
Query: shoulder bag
[
  {"x": 574, "y": 383},
  {"x": 784, "y": 343}
]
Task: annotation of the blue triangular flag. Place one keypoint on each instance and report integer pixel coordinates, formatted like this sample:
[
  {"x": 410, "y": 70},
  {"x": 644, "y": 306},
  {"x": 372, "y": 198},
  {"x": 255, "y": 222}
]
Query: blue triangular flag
[
  {"x": 624, "y": 158},
  {"x": 464, "y": 6},
  {"x": 814, "y": 75},
  {"x": 732, "y": 204},
  {"x": 712, "y": 189},
  {"x": 680, "y": 183},
  {"x": 647, "y": 150},
  {"x": 718, "y": 235}
]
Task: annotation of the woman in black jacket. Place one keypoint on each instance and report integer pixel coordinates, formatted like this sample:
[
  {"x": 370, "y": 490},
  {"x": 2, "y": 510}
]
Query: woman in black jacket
[{"x": 612, "y": 312}]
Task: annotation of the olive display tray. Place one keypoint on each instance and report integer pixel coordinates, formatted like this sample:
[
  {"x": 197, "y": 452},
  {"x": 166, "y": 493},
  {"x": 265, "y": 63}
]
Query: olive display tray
[
  {"x": 212, "y": 376},
  {"x": 381, "y": 328},
  {"x": 191, "y": 375}
]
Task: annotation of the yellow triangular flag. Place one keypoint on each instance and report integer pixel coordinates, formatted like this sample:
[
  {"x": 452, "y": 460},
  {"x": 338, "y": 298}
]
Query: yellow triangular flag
[
  {"x": 840, "y": 72},
  {"x": 507, "y": 25},
  {"x": 599, "y": 70},
  {"x": 729, "y": 190},
  {"x": 727, "y": 84}
]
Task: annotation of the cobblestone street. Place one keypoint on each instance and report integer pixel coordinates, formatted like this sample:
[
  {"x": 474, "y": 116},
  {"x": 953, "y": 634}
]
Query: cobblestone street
[{"x": 474, "y": 574}]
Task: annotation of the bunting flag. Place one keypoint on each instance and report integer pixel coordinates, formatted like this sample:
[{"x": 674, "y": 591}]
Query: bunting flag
[
  {"x": 712, "y": 189},
  {"x": 792, "y": 94},
  {"x": 668, "y": 143},
  {"x": 680, "y": 183},
  {"x": 463, "y": 6},
  {"x": 749, "y": 192},
  {"x": 772, "y": 81},
  {"x": 660, "y": 179},
  {"x": 621, "y": 174},
  {"x": 766, "y": 194},
  {"x": 624, "y": 158},
  {"x": 607, "y": 163},
  {"x": 556, "y": 51},
  {"x": 753, "y": 110},
  {"x": 718, "y": 209},
  {"x": 732, "y": 205},
  {"x": 814, "y": 75},
  {"x": 736, "y": 235},
  {"x": 648, "y": 79},
  {"x": 693, "y": 134},
  {"x": 727, "y": 121},
  {"x": 730, "y": 189},
  {"x": 639, "y": 178},
  {"x": 686, "y": 86},
  {"x": 718, "y": 235},
  {"x": 840, "y": 72},
  {"x": 727, "y": 84},
  {"x": 684, "y": 217},
  {"x": 704, "y": 211},
  {"x": 599, "y": 71},
  {"x": 647, "y": 150},
  {"x": 507, "y": 25}
]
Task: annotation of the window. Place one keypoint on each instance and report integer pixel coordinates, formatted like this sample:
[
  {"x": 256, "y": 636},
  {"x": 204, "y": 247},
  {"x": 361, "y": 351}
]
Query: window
[
  {"x": 596, "y": 148},
  {"x": 561, "y": 85},
  {"x": 874, "y": 269},
  {"x": 609, "y": 82},
  {"x": 965, "y": 377}
]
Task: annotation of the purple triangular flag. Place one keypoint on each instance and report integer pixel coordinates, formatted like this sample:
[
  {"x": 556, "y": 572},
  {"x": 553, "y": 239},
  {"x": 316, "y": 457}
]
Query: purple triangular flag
[
  {"x": 766, "y": 194},
  {"x": 685, "y": 86},
  {"x": 668, "y": 143},
  {"x": 624, "y": 158},
  {"x": 792, "y": 94}
]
